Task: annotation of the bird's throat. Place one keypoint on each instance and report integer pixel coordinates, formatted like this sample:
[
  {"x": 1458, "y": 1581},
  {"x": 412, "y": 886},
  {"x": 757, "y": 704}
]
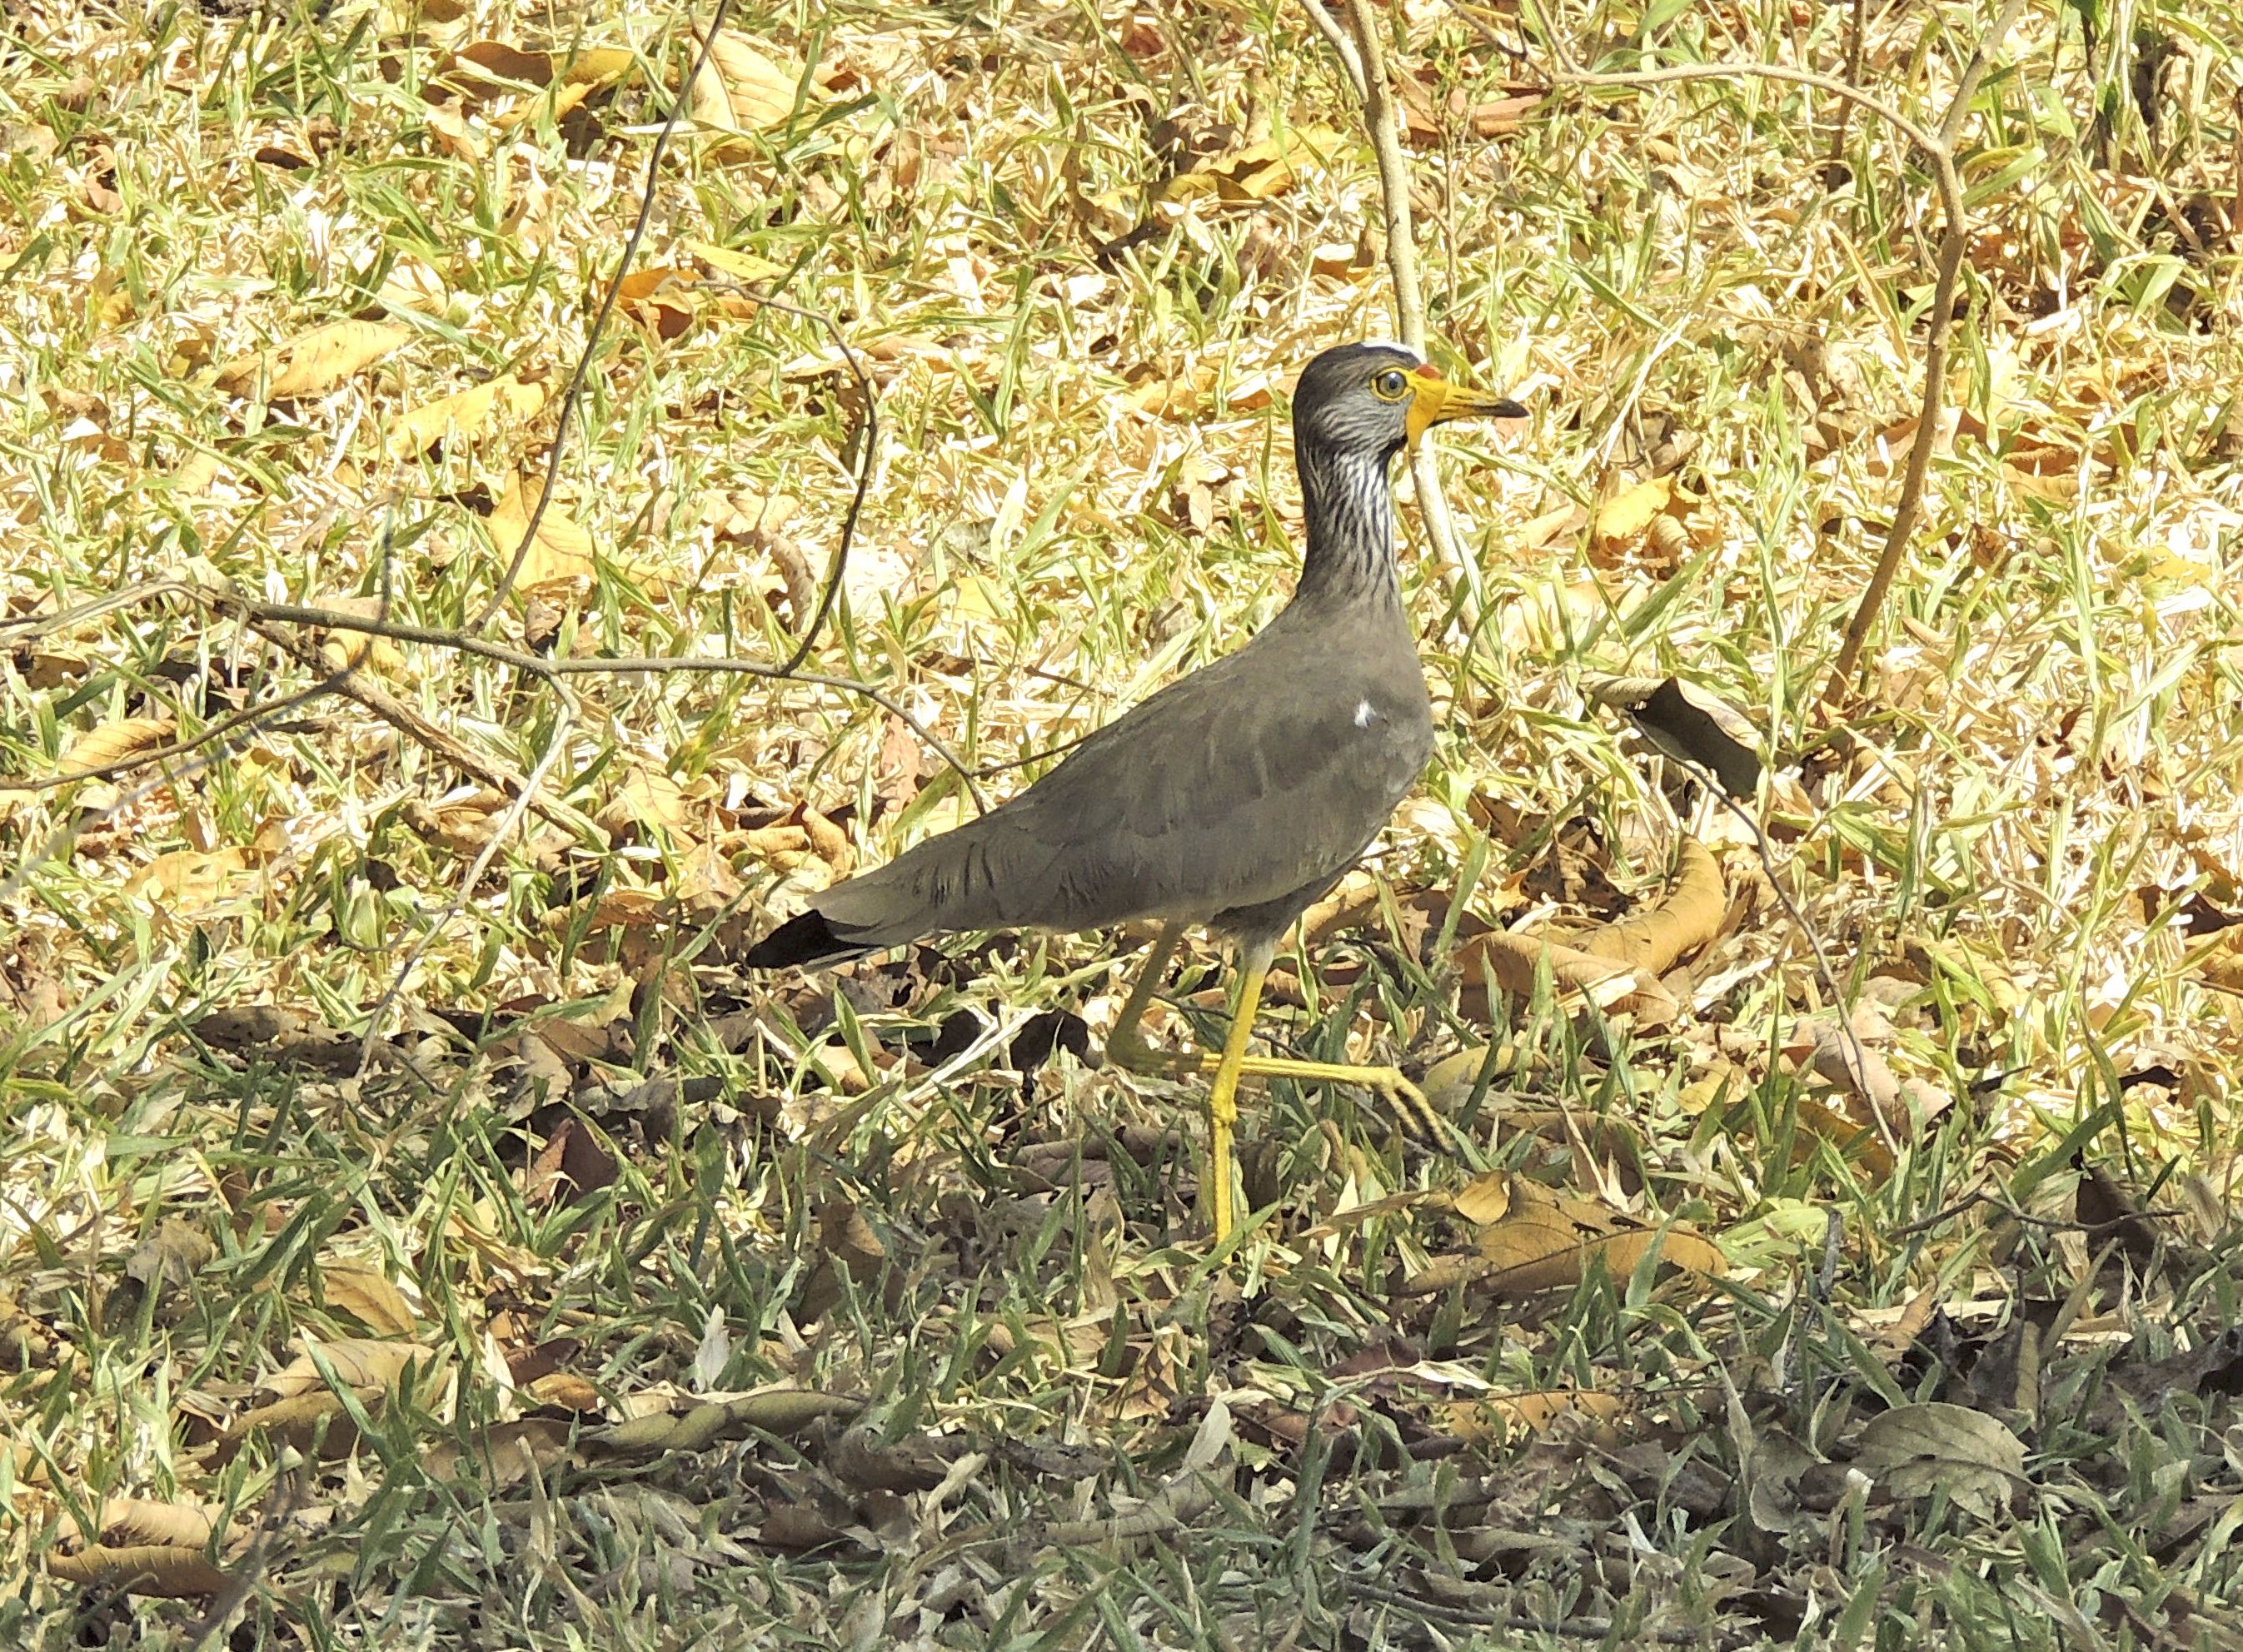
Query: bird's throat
[{"x": 1350, "y": 509}]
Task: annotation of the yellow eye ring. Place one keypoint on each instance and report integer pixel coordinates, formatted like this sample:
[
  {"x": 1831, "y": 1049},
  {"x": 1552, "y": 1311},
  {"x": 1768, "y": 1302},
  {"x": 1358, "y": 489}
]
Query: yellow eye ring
[{"x": 1389, "y": 384}]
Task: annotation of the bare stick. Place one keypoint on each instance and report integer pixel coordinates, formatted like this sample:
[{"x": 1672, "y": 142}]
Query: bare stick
[
  {"x": 576, "y": 382},
  {"x": 1365, "y": 68},
  {"x": 1857, "y": 28},
  {"x": 1939, "y": 149},
  {"x": 1954, "y": 241},
  {"x": 352, "y": 685}
]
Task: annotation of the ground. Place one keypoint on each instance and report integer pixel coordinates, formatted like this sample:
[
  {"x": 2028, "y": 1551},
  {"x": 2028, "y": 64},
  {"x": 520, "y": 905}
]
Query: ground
[{"x": 417, "y": 1231}]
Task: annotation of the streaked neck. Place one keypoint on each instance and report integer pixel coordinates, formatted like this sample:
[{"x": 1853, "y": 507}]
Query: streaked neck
[{"x": 1350, "y": 509}]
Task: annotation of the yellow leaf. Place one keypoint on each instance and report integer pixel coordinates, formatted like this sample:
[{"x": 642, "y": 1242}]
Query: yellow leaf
[
  {"x": 741, "y": 266},
  {"x": 1500, "y": 1417},
  {"x": 562, "y": 553},
  {"x": 1486, "y": 1197},
  {"x": 113, "y": 741},
  {"x": 742, "y": 89},
  {"x": 317, "y": 360},
  {"x": 368, "y": 1297},
  {"x": 1260, "y": 171},
  {"x": 462, "y": 414},
  {"x": 1628, "y": 513},
  {"x": 188, "y": 880}
]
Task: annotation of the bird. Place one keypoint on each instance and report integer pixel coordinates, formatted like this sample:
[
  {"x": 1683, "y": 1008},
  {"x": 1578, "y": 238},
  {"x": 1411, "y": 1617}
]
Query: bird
[{"x": 1234, "y": 797}]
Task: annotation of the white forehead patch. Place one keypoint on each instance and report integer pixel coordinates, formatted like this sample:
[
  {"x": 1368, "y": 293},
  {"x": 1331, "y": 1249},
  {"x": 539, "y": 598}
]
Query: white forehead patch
[{"x": 1399, "y": 349}]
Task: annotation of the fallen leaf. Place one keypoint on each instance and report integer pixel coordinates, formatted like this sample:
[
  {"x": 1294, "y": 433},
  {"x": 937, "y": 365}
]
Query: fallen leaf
[
  {"x": 1913, "y": 1451},
  {"x": 742, "y": 89},
  {"x": 157, "y": 1569},
  {"x": 1622, "y": 517},
  {"x": 463, "y": 415},
  {"x": 188, "y": 880},
  {"x": 368, "y": 1297},
  {"x": 1260, "y": 171},
  {"x": 114, "y": 742},
  {"x": 317, "y": 360},
  {"x": 562, "y": 553}
]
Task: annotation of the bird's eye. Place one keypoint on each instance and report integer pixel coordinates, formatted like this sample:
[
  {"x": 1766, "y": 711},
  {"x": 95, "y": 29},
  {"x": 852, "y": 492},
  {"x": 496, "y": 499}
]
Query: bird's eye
[{"x": 1391, "y": 385}]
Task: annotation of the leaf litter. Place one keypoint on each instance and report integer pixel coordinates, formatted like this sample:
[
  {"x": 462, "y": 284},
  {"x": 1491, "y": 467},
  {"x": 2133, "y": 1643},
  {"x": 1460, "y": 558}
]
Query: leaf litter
[{"x": 872, "y": 1310}]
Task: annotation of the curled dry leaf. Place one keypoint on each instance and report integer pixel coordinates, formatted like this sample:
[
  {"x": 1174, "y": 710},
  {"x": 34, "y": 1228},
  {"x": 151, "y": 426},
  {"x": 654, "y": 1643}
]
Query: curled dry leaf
[
  {"x": 115, "y": 741},
  {"x": 147, "y": 1568},
  {"x": 315, "y": 361},
  {"x": 1542, "y": 1241},
  {"x": 1690, "y": 915},
  {"x": 1508, "y": 962},
  {"x": 463, "y": 415}
]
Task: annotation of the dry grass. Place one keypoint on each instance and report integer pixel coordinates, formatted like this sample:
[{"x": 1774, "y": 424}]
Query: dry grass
[{"x": 597, "y": 1178}]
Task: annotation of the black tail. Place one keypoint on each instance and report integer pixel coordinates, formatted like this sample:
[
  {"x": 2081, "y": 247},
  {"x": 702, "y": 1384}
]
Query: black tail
[{"x": 807, "y": 940}]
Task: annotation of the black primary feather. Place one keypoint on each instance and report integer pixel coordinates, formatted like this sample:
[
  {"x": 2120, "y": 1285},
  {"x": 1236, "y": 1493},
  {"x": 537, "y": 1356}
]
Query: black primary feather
[{"x": 807, "y": 939}]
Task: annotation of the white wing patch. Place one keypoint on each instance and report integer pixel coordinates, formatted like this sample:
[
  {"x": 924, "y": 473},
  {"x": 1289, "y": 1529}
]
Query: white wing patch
[{"x": 1363, "y": 714}]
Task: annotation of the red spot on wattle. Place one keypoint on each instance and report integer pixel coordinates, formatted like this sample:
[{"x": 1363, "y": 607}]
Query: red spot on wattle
[{"x": 1426, "y": 370}]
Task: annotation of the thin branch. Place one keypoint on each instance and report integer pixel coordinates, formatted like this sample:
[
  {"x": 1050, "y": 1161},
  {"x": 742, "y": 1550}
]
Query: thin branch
[
  {"x": 1342, "y": 48},
  {"x": 1365, "y": 68},
  {"x": 1937, "y": 147},
  {"x": 578, "y": 381},
  {"x": 353, "y": 685},
  {"x": 255, "y": 611},
  {"x": 502, "y": 830}
]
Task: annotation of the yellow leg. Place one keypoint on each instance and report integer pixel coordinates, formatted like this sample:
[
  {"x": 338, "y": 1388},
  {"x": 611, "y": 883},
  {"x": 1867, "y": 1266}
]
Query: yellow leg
[
  {"x": 1127, "y": 1045},
  {"x": 1222, "y": 1094}
]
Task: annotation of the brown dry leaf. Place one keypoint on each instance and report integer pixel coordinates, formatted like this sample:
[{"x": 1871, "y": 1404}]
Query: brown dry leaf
[
  {"x": 507, "y": 1454},
  {"x": 341, "y": 649},
  {"x": 573, "y": 1165},
  {"x": 114, "y": 742},
  {"x": 463, "y": 415},
  {"x": 742, "y": 89},
  {"x": 169, "y": 1259},
  {"x": 848, "y": 1248},
  {"x": 661, "y": 298},
  {"x": 1544, "y": 1241},
  {"x": 135, "y": 1522},
  {"x": 159, "y": 1569},
  {"x": 648, "y": 799},
  {"x": 368, "y": 1297},
  {"x": 360, "y": 1363},
  {"x": 1689, "y": 916},
  {"x": 1913, "y": 1451},
  {"x": 562, "y": 552},
  {"x": 317, "y": 360},
  {"x": 896, "y": 774},
  {"x": 1503, "y": 960},
  {"x": 1486, "y": 1197},
  {"x": 188, "y": 880}
]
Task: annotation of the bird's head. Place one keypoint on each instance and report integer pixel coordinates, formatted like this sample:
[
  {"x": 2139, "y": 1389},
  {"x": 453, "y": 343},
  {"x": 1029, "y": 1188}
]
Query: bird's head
[{"x": 1377, "y": 399}]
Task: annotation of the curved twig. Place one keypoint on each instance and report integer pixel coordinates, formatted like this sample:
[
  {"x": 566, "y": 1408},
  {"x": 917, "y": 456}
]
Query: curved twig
[
  {"x": 1939, "y": 148},
  {"x": 578, "y": 379}
]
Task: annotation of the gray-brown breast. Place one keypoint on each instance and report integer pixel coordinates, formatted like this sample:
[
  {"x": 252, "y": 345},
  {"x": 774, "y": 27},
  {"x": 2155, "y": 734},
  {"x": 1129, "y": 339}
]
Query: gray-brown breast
[{"x": 1263, "y": 775}]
